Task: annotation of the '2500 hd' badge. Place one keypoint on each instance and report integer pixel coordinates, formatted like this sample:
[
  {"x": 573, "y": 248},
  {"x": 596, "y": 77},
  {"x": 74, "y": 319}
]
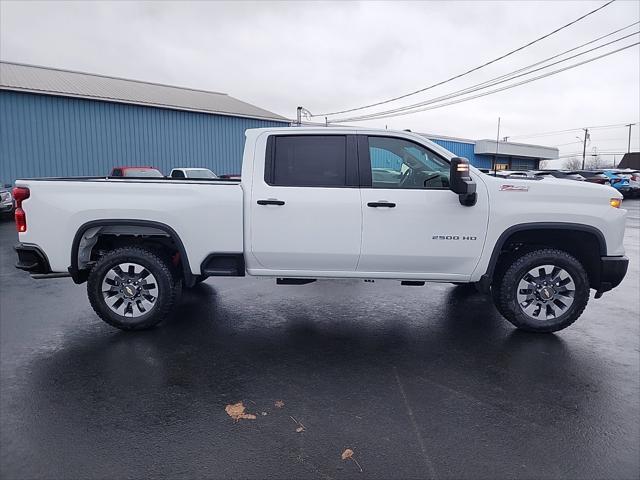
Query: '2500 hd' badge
[{"x": 454, "y": 237}]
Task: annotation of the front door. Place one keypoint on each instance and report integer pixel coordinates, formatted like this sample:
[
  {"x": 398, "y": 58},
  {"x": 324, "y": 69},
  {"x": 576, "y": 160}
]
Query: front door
[
  {"x": 412, "y": 222},
  {"x": 305, "y": 209}
]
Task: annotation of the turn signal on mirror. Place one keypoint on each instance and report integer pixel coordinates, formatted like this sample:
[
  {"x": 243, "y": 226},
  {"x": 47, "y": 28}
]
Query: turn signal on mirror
[{"x": 615, "y": 202}]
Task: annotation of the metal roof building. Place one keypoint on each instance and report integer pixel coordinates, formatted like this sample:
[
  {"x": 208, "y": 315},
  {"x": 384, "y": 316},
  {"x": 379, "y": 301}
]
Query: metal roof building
[
  {"x": 507, "y": 155},
  {"x": 58, "y": 122}
]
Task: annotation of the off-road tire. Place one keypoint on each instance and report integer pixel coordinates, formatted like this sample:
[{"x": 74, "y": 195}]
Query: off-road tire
[
  {"x": 504, "y": 289},
  {"x": 168, "y": 287}
]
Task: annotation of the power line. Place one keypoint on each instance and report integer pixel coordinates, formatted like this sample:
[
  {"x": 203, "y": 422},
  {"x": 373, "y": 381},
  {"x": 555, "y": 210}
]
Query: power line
[
  {"x": 490, "y": 92},
  {"x": 489, "y": 83},
  {"x": 468, "y": 71},
  {"x": 557, "y": 132}
]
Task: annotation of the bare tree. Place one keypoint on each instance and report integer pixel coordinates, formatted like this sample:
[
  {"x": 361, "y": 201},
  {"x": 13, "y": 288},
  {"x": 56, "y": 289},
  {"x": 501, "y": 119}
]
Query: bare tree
[
  {"x": 543, "y": 164},
  {"x": 572, "y": 163},
  {"x": 594, "y": 162}
]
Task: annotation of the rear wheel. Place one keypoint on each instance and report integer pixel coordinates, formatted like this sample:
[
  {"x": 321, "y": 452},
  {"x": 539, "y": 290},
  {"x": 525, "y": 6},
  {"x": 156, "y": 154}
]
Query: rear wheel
[
  {"x": 132, "y": 288},
  {"x": 544, "y": 290}
]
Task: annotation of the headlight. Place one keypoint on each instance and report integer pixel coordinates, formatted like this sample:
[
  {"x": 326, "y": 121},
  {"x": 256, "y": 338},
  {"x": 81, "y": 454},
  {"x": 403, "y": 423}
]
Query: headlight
[{"x": 615, "y": 202}]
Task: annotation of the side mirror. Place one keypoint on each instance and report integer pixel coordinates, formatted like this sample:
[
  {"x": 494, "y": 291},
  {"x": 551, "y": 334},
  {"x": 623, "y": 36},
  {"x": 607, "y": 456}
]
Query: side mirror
[{"x": 460, "y": 181}]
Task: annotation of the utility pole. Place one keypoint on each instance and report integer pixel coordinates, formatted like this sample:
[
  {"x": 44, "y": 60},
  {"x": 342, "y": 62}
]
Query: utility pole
[
  {"x": 584, "y": 146},
  {"x": 629, "y": 144},
  {"x": 299, "y": 116}
]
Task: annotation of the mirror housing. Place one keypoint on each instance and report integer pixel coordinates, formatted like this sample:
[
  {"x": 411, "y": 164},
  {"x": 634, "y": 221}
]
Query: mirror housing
[{"x": 460, "y": 181}]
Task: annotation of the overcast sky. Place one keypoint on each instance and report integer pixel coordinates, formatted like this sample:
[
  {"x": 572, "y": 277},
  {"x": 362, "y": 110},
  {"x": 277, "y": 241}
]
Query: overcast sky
[{"x": 330, "y": 56}]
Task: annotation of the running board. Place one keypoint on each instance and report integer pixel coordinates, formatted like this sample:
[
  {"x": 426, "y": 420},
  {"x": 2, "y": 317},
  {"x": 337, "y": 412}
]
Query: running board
[
  {"x": 294, "y": 281},
  {"x": 42, "y": 276}
]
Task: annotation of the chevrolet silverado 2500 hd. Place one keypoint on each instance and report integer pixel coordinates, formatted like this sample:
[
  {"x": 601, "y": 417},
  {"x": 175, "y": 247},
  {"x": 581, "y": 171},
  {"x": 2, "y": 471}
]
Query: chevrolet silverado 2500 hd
[{"x": 328, "y": 202}]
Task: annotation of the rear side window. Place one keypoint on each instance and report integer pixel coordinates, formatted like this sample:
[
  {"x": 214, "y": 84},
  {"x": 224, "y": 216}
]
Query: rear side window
[{"x": 307, "y": 161}]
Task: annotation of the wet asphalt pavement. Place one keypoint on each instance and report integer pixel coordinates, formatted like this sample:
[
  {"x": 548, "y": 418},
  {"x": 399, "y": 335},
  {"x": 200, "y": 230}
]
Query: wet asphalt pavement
[{"x": 420, "y": 382}]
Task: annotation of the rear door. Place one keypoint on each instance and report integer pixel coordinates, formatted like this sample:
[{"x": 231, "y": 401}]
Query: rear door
[
  {"x": 306, "y": 210},
  {"x": 412, "y": 223}
]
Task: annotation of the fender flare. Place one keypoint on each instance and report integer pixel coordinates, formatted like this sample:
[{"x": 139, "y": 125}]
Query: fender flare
[
  {"x": 487, "y": 277},
  {"x": 80, "y": 276}
]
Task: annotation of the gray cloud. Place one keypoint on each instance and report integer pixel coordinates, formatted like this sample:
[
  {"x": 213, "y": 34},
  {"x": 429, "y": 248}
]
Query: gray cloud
[{"x": 335, "y": 55}]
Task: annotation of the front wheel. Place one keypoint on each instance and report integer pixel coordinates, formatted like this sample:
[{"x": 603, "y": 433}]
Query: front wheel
[
  {"x": 132, "y": 288},
  {"x": 544, "y": 290}
]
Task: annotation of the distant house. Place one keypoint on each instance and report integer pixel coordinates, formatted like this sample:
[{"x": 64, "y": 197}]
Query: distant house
[{"x": 630, "y": 160}]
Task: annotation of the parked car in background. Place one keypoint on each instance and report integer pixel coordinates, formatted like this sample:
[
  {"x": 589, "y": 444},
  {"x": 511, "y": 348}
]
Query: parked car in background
[
  {"x": 634, "y": 180},
  {"x": 619, "y": 183},
  {"x": 230, "y": 176},
  {"x": 6, "y": 200},
  {"x": 558, "y": 174},
  {"x": 136, "y": 172},
  {"x": 592, "y": 176},
  {"x": 202, "y": 173},
  {"x": 506, "y": 173}
]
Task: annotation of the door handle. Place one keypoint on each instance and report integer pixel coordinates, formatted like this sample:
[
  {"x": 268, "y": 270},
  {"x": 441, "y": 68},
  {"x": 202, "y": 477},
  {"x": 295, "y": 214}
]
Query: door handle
[
  {"x": 271, "y": 201},
  {"x": 381, "y": 204}
]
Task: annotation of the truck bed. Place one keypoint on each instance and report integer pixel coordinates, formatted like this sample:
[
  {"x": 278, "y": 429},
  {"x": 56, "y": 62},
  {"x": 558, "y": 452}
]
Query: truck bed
[{"x": 206, "y": 215}]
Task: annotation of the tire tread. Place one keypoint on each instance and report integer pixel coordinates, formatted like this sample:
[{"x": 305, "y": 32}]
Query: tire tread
[
  {"x": 501, "y": 290},
  {"x": 161, "y": 311}
]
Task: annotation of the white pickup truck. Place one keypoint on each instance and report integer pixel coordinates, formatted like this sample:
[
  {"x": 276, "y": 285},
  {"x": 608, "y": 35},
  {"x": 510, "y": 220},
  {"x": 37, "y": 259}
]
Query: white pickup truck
[{"x": 328, "y": 203}]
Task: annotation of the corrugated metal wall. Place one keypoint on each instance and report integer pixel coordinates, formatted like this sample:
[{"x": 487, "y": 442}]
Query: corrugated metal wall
[
  {"x": 483, "y": 161},
  {"x": 44, "y": 135},
  {"x": 458, "y": 148}
]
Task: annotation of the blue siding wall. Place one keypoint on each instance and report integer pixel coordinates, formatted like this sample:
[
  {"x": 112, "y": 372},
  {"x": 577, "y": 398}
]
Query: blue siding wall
[
  {"x": 483, "y": 161},
  {"x": 458, "y": 148},
  {"x": 43, "y": 135}
]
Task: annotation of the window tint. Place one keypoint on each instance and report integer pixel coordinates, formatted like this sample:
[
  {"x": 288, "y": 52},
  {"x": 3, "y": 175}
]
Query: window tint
[
  {"x": 312, "y": 161},
  {"x": 398, "y": 163}
]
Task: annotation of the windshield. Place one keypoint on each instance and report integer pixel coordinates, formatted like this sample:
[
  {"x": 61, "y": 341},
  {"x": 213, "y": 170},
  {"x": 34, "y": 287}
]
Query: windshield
[{"x": 200, "y": 173}]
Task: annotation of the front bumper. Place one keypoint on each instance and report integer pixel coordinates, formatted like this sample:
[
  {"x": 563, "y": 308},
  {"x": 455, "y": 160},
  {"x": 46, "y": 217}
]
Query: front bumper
[
  {"x": 6, "y": 207},
  {"x": 31, "y": 259},
  {"x": 612, "y": 271}
]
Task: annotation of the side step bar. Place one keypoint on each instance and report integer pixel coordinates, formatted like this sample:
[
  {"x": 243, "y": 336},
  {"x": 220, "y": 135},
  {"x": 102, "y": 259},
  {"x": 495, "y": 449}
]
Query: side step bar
[
  {"x": 42, "y": 276},
  {"x": 294, "y": 281}
]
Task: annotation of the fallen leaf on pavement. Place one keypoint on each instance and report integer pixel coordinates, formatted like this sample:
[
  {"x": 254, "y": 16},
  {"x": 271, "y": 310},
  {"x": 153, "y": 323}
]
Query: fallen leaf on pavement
[
  {"x": 279, "y": 404},
  {"x": 236, "y": 411},
  {"x": 348, "y": 455}
]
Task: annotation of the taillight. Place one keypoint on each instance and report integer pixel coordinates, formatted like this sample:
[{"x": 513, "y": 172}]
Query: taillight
[{"x": 20, "y": 194}]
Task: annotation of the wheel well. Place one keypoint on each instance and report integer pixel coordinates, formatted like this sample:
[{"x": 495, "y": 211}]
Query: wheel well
[
  {"x": 95, "y": 239},
  {"x": 585, "y": 246}
]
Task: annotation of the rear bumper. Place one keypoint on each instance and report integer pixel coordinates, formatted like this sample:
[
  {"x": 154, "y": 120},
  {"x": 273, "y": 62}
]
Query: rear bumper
[
  {"x": 31, "y": 259},
  {"x": 612, "y": 271}
]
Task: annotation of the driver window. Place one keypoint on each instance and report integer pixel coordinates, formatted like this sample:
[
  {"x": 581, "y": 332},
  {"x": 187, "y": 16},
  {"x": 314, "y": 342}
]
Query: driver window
[{"x": 398, "y": 163}]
